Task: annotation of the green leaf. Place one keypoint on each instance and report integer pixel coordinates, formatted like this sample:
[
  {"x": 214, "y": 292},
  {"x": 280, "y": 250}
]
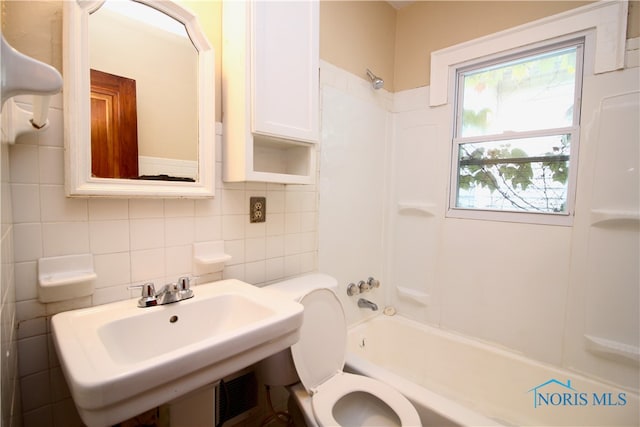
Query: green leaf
[
  {"x": 465, "y": 181},
  {"x": 522, "y": 176},
  {"x": 485, "y": 179},
  {"x": 559, "y": 171}
]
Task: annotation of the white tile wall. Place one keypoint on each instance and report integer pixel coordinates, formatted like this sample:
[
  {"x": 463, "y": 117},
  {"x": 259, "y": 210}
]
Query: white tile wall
[
  {"x": 356, "y": 135},
  {"x": 132, "y": 241},
  {"x": 9, "y": 375}
]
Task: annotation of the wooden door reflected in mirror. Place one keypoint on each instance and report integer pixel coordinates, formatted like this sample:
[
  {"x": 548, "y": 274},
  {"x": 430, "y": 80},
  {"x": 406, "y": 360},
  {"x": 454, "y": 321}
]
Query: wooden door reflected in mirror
[{"x": 114, "y": 129}]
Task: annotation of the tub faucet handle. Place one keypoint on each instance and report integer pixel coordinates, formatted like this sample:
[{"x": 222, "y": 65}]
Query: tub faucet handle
[
  {"x": 373, "y": 283},
  {"x": 352, "y": 289},
  {"x": 363, "y": 286}
]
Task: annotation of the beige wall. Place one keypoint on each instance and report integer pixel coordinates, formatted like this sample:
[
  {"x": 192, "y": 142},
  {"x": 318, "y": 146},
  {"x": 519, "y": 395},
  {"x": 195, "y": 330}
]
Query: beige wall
[
  {"x": 356, "y": 35},
  {"x": 425, "y": 27},
  {"x": 633, "y": 20},
  {"x": 209, "y": 15},
  {"x": 152, "y": 57}
]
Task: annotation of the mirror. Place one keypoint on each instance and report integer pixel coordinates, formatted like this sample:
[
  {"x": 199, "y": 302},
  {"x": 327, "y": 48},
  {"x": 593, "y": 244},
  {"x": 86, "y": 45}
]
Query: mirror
[{"x": 139, "y": 100}]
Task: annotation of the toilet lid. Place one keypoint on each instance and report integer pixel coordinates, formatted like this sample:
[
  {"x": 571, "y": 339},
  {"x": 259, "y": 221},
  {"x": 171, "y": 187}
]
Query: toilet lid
[{"x": 319, "y": 353}]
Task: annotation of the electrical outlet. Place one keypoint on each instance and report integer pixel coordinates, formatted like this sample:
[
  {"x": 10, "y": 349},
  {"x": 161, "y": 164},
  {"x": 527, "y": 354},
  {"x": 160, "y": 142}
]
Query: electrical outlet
[{"x": 257, "y": 209}]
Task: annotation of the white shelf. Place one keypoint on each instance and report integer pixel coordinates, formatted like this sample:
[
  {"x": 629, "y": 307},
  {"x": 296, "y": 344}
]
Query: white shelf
[
  {"x": 414, "y": 295},
  {"x": 278, "y": 160},
  {"x": 610, "y": 348}
]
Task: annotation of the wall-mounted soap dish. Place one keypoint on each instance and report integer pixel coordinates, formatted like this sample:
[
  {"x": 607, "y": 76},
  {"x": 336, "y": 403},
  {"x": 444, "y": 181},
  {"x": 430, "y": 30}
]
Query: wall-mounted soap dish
[
  {"x": 209, "y": 257},
  {"x": 416, "y": 208},
  {"x": 65, "y": 277}
]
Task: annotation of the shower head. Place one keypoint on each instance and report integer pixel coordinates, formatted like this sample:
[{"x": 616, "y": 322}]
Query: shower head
[{"x": 376, "y": 82}]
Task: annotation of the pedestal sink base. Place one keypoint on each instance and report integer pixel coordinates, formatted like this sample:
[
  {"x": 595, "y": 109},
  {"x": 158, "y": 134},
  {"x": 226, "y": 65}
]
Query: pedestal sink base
[{"x": 111, "y": 415}]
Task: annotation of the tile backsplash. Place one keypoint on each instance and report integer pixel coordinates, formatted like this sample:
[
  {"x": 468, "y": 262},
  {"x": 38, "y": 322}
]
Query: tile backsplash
[{"x": 133, "y": 241}]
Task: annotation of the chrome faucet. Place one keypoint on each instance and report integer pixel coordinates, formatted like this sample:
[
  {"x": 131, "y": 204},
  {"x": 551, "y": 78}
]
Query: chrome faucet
[
  {"x": 172, "y": 292},
  {"x": 365, "y": 303}
]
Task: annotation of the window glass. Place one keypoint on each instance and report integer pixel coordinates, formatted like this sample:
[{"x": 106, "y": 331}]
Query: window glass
[
  {"x": 516, "y": 133},
  {"x": 516, "y": 175},
  {"x": 536, "y": 92}
]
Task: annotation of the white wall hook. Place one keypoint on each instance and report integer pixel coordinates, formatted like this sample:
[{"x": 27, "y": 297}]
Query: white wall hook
[
  {"x": 17, "y": 121},
  {"x": 23, "y": 75}
]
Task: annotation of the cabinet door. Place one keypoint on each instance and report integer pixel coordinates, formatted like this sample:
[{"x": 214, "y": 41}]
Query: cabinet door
[{"x": 285, "y": 69}]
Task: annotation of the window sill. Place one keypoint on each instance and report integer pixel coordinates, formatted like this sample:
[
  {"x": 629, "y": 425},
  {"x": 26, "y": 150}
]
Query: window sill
[{"x": 564, "y": 219}]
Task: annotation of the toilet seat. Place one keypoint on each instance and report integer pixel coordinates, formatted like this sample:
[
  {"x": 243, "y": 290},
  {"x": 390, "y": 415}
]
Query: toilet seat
[
  {"x": 319, "y": 360},
  {"x": 329, "y": 393}
]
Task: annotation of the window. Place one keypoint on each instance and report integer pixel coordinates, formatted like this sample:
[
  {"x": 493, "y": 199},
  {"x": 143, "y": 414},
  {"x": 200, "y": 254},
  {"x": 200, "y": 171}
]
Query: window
[{"x": 516, "y": 136}]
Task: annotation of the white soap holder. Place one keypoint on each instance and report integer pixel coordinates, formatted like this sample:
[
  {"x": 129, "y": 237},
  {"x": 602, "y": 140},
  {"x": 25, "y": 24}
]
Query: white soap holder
[
  {"x": 416, "y": 208},
  {"x": 65, "y": 277},
  {"x": 209, "y": 257}
]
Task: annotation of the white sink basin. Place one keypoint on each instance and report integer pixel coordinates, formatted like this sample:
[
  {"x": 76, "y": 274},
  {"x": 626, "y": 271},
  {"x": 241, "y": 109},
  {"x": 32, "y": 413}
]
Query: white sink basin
[{"x": 120, "y": 360}]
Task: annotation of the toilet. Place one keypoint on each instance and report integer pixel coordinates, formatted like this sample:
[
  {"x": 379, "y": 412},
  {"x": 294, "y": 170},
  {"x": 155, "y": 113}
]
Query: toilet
[{"x": 313, "y": 367}]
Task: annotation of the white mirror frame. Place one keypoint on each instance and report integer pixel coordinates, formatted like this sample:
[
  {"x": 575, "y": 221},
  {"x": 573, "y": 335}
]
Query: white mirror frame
[{"x": 77, "y": 111}]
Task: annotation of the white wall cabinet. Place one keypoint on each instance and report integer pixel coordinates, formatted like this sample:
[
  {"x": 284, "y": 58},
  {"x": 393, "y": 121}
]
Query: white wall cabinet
[{"x": 270, "y": 91}]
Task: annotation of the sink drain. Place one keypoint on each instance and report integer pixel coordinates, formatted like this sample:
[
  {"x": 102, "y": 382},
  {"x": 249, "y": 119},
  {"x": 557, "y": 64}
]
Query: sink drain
[{"x": 173, "y": 319}]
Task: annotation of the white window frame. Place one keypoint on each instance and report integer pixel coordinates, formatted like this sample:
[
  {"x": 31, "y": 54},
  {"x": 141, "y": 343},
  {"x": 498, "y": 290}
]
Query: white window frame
[
  {"x": 604, "y": 24},
  {"x": 563, "y": 218}
]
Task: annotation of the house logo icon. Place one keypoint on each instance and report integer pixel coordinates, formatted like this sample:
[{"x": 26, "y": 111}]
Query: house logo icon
[{"x": 541, "y": 398}]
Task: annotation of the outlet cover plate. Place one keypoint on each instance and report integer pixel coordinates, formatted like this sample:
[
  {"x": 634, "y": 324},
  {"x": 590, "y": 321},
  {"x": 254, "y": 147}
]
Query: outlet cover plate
[{"x": 257, "y": 209}]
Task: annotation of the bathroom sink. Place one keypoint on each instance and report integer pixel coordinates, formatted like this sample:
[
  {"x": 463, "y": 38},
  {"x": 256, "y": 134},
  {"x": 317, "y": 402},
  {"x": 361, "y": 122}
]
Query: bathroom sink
[{"x": 120, "y": 360}]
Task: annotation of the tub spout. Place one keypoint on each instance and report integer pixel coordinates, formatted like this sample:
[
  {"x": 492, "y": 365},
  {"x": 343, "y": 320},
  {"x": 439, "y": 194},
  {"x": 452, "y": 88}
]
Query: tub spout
[{"x": 365, "y": 303}]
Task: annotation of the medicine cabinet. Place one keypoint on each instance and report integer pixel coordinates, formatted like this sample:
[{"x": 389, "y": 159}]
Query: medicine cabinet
[
  {"x": 160, "y": 50},
  {"x": 270, "y": 91}
]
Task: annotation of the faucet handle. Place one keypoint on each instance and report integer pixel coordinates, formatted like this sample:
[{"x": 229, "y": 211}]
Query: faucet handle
[
  {"x": 148, "y": 289},
  {"x": 183, "y": 283},
  {"x": 352, "y": 289},
  {"x": 373, "y": 283},
  {"x": 184, "y": 287},
  {"x": 148, "y": 295},
  {"x": 363, "y": 286}
]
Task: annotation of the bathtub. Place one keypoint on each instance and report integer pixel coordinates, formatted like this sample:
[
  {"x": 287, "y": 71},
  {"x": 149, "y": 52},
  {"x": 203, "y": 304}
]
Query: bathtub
[{"x": 453, "y": 380}]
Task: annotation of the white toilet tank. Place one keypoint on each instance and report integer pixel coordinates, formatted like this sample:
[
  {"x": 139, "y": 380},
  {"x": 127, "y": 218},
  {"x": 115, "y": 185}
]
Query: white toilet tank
[
  {"x": 278, "y": 369},
  {"x": 298, "y": 287}
]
